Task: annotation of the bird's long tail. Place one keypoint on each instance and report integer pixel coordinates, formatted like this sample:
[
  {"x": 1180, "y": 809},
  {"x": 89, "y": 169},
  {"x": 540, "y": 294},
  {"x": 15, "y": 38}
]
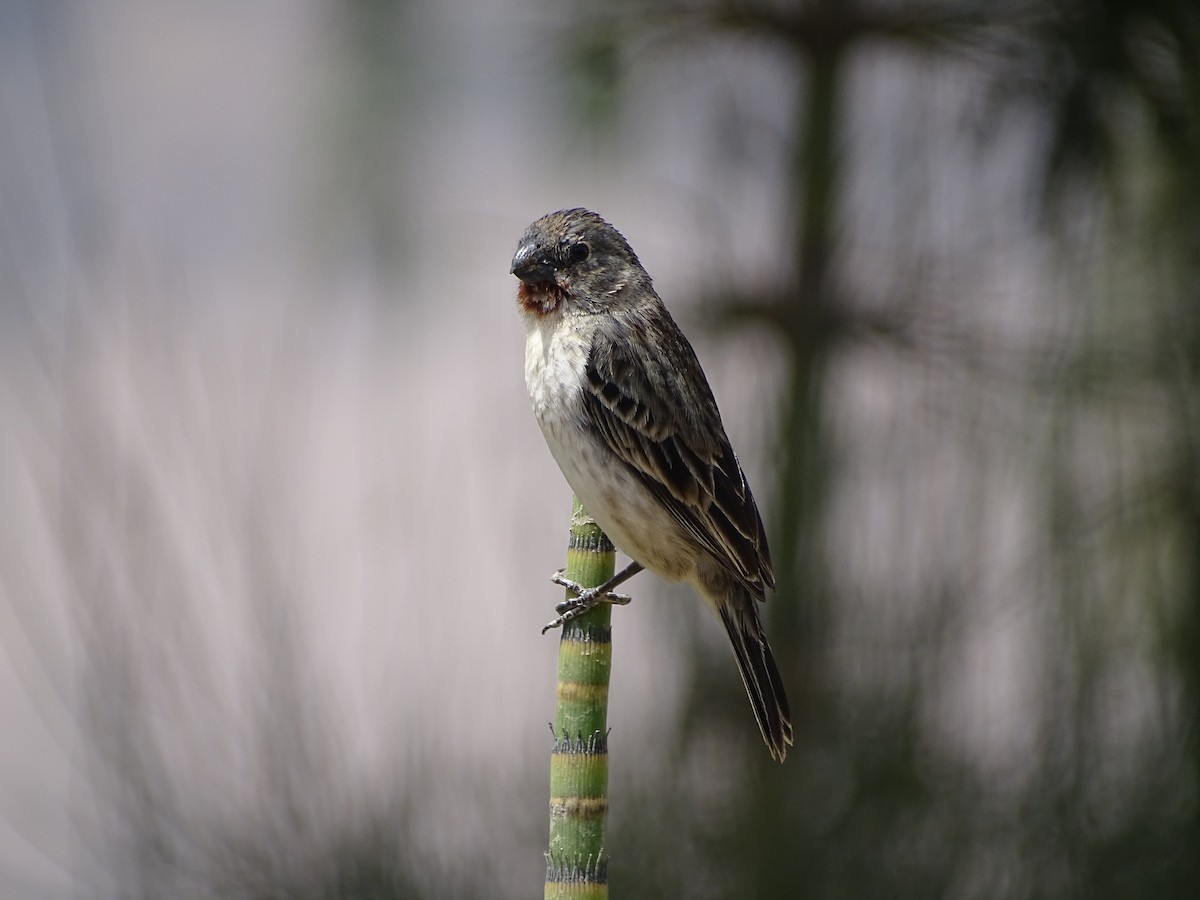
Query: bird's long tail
[{"x": 760, "y": 675}]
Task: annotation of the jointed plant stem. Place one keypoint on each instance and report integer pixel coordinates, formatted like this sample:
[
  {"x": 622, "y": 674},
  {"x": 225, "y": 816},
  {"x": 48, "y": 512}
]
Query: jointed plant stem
[{"x": 576, "y": 861}]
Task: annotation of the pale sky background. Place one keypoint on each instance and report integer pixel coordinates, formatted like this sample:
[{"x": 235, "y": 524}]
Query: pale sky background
[{"x": 207, "y": 417}]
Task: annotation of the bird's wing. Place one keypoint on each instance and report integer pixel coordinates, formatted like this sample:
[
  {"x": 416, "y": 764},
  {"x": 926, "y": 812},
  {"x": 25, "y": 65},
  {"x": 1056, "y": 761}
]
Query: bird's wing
[{"x": 656, "y": 412}]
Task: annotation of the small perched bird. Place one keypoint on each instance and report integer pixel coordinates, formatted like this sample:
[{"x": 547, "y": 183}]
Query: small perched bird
[{"x": 632, "y": 423}]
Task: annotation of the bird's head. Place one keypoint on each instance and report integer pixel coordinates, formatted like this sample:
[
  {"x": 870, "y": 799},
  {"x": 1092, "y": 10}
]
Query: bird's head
[{"x": 572, "y": 260}]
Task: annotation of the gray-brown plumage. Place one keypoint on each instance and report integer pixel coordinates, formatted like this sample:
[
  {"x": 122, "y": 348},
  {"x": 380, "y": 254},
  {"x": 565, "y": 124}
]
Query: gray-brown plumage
[{"x": 631, "y": 421}]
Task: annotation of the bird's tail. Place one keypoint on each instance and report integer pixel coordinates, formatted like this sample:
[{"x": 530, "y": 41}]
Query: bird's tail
[{"x": 760, "y": 675}]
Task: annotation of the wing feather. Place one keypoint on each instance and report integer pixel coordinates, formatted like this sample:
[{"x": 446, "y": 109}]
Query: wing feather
[{"x": 657, "y": 414}]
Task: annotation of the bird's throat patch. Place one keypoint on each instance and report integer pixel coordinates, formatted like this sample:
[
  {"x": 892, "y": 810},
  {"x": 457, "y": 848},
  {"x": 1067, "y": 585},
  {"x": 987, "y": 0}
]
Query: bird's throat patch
[{"x": 541, "y": 298}]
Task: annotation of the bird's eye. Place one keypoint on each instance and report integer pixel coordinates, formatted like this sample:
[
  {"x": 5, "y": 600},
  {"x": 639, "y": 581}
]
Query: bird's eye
[{"x": 579, "y": 252}]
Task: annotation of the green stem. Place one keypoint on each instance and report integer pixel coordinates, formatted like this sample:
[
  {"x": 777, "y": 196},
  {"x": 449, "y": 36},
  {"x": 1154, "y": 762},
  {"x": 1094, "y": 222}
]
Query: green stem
[{"x": 576, "y": 862}]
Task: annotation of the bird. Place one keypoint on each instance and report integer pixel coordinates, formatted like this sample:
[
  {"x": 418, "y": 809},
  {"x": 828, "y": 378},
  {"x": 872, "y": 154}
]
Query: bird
[{"x": 629, "y": 417}]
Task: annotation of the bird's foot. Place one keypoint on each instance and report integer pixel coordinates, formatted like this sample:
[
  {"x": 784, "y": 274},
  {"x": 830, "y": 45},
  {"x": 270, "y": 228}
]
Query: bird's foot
[{"x": 589, "y": 598}]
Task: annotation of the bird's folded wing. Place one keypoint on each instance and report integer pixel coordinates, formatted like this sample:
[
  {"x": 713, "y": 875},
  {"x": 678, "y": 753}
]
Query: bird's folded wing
[{"x": 657, "y": 414}]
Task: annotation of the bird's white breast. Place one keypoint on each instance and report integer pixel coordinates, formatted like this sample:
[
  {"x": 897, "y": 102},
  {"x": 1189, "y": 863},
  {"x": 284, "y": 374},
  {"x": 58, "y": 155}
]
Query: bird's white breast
[{"x": 556, "y": 354}]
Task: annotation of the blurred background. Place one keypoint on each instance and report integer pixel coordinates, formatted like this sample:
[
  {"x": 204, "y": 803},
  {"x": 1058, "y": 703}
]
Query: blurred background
[{"x": 276, "y": 523}]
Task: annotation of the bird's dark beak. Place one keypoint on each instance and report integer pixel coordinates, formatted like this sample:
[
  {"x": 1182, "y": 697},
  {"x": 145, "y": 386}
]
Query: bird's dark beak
[{"x": 531, "y": 265}]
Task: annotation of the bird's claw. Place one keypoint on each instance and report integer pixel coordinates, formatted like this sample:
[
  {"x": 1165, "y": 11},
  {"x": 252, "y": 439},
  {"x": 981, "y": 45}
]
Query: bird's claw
[
  {"x": 588, "y": 596},
  {"x": 588, "y": 599}
]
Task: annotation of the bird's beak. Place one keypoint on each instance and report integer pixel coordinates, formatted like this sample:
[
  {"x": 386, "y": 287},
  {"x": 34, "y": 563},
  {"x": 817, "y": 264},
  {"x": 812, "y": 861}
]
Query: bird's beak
[{"x": 532, "y": 266}]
